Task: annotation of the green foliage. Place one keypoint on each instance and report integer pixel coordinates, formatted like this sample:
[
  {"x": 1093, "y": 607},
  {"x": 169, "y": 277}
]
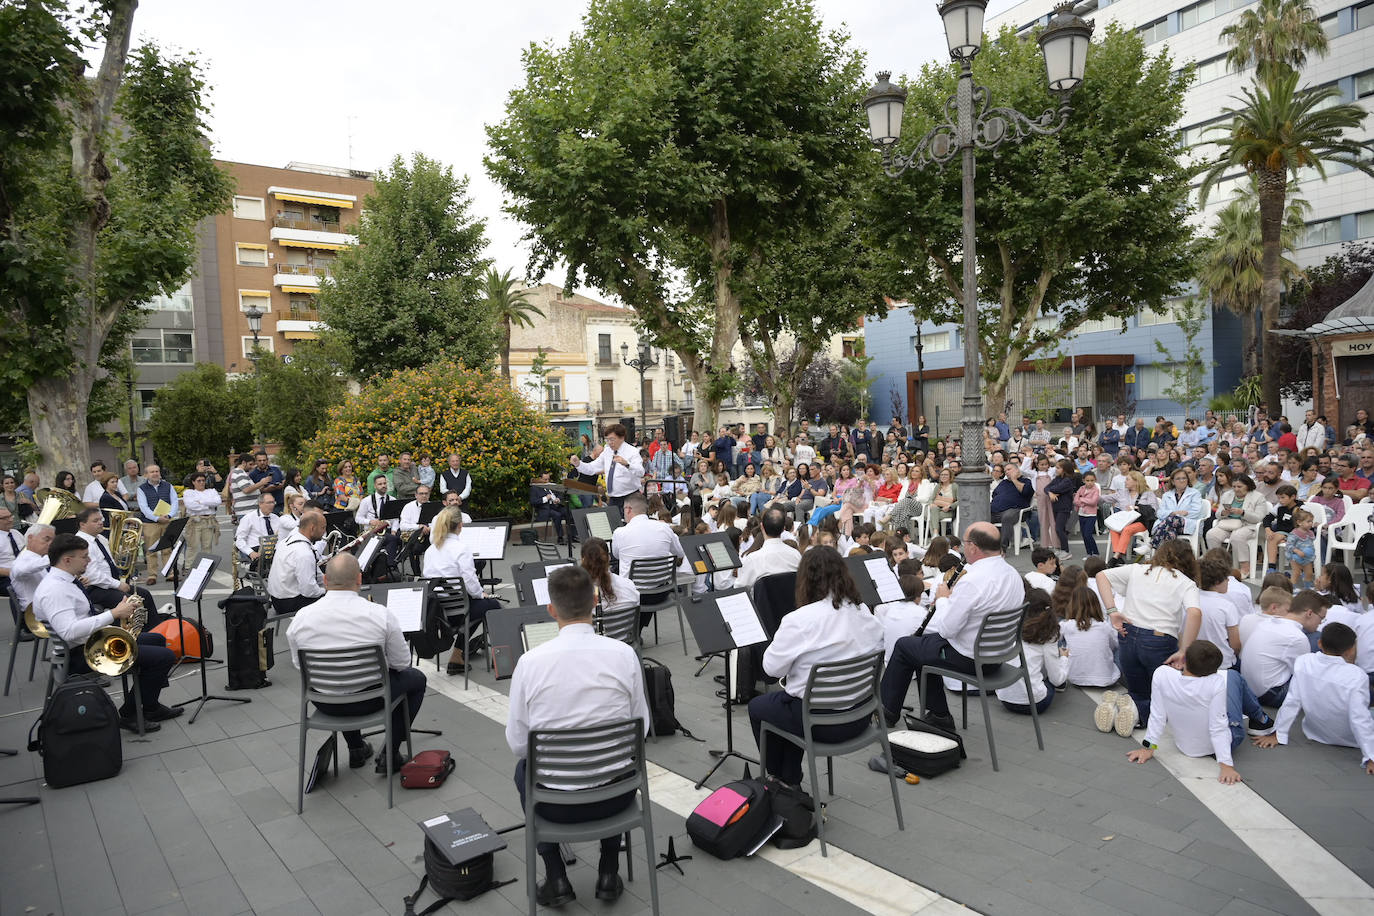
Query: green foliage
[
  {"x": 1086, "y": 224},
  {"x": 201, "y": 414},
  {"x": 410, "y": 291},
  {"x": 1276, "y": 37},
  {"x": 294, "y": 393},
  {"x": 442, "y": 408},
  {"x": 1187, "y": 370}
]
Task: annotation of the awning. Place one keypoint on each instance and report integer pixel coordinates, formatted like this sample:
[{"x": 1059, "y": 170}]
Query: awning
[
  {"x": 297, "y": 243},
  {"x": 317, "y": 201},
  {"x": 1354, "y": 324},
  {"x": 262, "y": 293},
  {"x": 253, "y": 245},
  {"x": 300, "y": 289},
  {"x": 301, "y": 335}
]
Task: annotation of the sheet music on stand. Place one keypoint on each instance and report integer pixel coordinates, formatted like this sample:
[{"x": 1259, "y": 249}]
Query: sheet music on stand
[
  {"x": 741, "y": 620},
  {"x": 889, "y": 589},
  {"x": 173, "y": 561},
  {"x": 599, "y": 525},
  {"x": 369, "y": 553},
  {"x": 487, "y": 542},
  {"x": 408, "y": 604},
  {"x": 541, "y": 590},
  {"x": 195, "y": 581}
]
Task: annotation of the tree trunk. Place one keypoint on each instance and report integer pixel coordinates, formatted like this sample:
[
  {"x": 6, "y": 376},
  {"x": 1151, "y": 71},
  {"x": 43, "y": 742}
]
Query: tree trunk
[
  {"x": 705, "y": 412},
  {"x": 1272, "y": 189},
  {"x": 505, "y": 349},
  {"x": 1251, "y": 355},
  {"x": 57, "y": 412}
]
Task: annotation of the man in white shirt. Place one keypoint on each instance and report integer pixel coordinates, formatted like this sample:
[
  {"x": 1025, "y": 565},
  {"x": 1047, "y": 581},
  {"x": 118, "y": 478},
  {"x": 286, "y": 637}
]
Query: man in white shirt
[
  {"x": 806, "y": 452},
  {"x": 369, "y": 516},
  {"x": 1193, "y": 703},
  {"x": 989, "y": 584},
  {"x": 454, "y": 479},
  {"x": 103, "y": 585},
  {"x": 620, "y": 462},
  {"x": 294, "y": 580},
  {"x": 32, "y": 564},
  {"x": 1333, "y": 694},
  {"x": 64, "y": 608},
  {"x": 11, "y": 545},
  {"x": 643, "y": 538},
  {"x": 343, "y": 619},
  {"x": 1311, "y": 434},
  {"x": 131, "y": 481},
  {"x": 91, "y": 495},
  {"x": 256, "y": 526},
  {"x": 1272, "y": 643},
  {"x": 775, "y": 556},
  {"x": 576, "y": 680}
]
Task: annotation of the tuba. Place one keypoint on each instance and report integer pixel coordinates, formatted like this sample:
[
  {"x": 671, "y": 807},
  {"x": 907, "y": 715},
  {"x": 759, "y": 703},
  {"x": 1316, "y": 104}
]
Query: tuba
[
  {"x": 57, "y": 503},
  {"x": 113, "y": 650},
  {"x": 126, "y": 537}
]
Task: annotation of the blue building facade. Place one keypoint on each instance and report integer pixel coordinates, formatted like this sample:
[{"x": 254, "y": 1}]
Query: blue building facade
[{"x": 1113, "y": 370}]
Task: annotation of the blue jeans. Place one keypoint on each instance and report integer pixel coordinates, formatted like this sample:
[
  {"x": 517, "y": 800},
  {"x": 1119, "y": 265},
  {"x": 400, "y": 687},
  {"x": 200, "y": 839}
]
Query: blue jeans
[
  {"x": 1274, "y": 696},
  {"x": 1240, "y": 701},
  {"x": 1142, "y": 651},
  {"x": 757, "y": 501},
  {"x": 1087, "y": 527},
  {"x": 1024, "y": 708}
]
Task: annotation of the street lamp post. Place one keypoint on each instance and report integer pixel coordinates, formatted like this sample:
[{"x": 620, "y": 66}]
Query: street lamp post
[
  {"x": 975, "y": 126},
  {"x": 254, "y": 316},
  {"x": 641, "y": 363}
]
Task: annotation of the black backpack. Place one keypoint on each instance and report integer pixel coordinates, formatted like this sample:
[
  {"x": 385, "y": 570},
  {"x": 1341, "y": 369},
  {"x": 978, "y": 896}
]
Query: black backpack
[
  {"x": 437, "y": 635},
  {"x": 658, "y": 685},
  {"x": 78, "y": 734},
  {"x": 249, "y": 653},
  {"x": 731, "y": 820},
  {"x": 797, "y": 809}
]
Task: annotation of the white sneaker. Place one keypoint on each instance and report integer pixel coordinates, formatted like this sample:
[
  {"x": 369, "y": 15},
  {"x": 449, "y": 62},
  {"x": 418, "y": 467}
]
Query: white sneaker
[
  {"x": 1104, "y": 716},
  {"x": 1126, "y": 715}
]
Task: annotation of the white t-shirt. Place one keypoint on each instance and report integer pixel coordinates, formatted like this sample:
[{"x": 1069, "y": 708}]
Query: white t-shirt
[
  {"x": 1044, "y": 662},
  {"x": 899, "y": 618},
  {"x": 1218, "y": 613},
  {"x": 1269, "y": 650},
  {"x": 1195, "y": 710},
  {"x": 1036, "y": 579},
  {"x": 1091, "y": 663},
  {"x": 1155, "y": 598},
  {"x": 1362, "y": 622}
]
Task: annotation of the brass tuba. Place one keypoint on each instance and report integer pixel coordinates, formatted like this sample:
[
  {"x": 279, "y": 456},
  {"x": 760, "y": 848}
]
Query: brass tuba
[
  {"x": 126, "y": 537},
  {"x": 57, "y": 503},
  {"x": 113, "y": 650}
]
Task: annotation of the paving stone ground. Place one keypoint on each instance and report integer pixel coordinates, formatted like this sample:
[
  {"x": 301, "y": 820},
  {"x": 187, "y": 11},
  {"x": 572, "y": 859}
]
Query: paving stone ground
[{"x": 202, "y": 819}]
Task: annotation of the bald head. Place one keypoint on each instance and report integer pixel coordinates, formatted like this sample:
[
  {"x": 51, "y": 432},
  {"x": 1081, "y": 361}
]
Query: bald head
[
  {"x": 343, "y": 573},
  {"x": 312, "y": 524},
  {"x": 983, "y": 537}
]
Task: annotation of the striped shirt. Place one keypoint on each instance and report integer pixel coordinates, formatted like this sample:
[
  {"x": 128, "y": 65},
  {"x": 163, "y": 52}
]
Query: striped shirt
[{"x": 244, "y": 503}]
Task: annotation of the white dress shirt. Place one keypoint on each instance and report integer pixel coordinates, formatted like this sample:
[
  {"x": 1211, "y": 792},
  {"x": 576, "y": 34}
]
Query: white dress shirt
[
  {"x": 1091, "y": 663},
  {"x": 1156, "y": 598},
  {"x": 452, "y": 560},
  {"x": 989, "y": 584},
  {"x": 899, "y": 618},
  {"x": 1195, "y": 708},
  {"x": 61, "y": 604},
  {"x": 1045, "y": 663},
  {"x": 626, "y": 479},
  {"x": 1269, "y": 650},
  {"x": 285, "y": 524},
  {"x": 820, "y": 632},
  {"x": 574, "y": 680},
  {"x": 253, "y": 528},
  {"x": 99, "y": 572},
  {"x": 644, "y": 538},
  {"x": 1363, "y": 625},
  {"x": 11, "y": 546},
  {"x": 626, "y": 594},
  {"x": 343, "y": 619},
  {"x": 1334, "y": 695},
  {"x": 93, "y": 492},
  {"x": 28, "y": 570},
  {"x": 370, "y": 508},
  {"x": 775, "y": 556},
  {"x": 295, "y": 569},
  {"x": 1219, "y": 613},
  {"x": 201, "y": 502},
  {"x": 410, "y": 516}
]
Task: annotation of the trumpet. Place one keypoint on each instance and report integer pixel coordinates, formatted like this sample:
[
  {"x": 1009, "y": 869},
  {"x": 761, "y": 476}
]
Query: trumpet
[{"x": 113, "y": 650}]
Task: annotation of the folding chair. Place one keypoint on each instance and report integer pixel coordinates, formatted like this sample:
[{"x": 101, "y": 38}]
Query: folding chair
[{"x": 452, "y": 595}]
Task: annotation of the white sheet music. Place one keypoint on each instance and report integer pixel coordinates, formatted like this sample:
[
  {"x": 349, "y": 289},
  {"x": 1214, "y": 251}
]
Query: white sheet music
[
  {"x": 889, "y": 589},
  {"x": 533, "y": 635},
  {"x": 173, "y": 559},
  {"x": 743, "y": 623},
  {"x": 599, "y": 525},
  {"x": 369, "y": 552},
  {"x": 487, "y": 542},
  {"x": 408, "y": 604},
  {"x": 541, "y": 591},
  {"x": 720, "y": 557},
  {"x": 195, "y": 581}
]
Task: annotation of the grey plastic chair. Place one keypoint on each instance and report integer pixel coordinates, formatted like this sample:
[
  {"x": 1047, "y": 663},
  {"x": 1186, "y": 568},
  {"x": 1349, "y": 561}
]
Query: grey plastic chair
[
  {"x": 621, "y": 624},
  {"x": 19, "y": 630},
  {"x": 838, "y": 693},
  {"x": 547, "y": 550},
  {"x": 594, "y": 763},
  {"x": 452, "y": 595},
  {"x": 346, "y": 676},
  {"x": 659, "y": 574},
  {"x": 998, "y": 642}
]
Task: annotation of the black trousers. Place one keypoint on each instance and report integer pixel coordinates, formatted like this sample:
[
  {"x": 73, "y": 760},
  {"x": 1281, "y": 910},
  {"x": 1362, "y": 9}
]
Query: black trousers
[
  {"x": 408, "y": 681},
  {"x": 576, "y": 814},
  {"x": 559, "y": 515},
  {"x": 784, "y": 711},
  {"x": 155, "y": 661},
  {"x": 284, "y": 606},
  {"x": 107, "y": 598},
  {"x": 616, "y": 500}
]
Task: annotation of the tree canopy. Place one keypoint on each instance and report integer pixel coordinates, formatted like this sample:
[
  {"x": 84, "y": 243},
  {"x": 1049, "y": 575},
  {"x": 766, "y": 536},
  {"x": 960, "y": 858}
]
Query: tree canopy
[
  {"x": 1086, "y": 224},
  {"x": 410, "y": 291},
  {"x": 202, "y": 414}
]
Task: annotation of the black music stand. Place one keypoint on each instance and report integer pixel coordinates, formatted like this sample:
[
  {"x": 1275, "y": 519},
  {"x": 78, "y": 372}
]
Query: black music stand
[
  {"x": 393, "y": 508},
  {"x": 525, "y": 575},
  {"x": 715, "y": 636},
  {"x": 708, "y": 559},
  {"x": 18, "y": 799},
  {"x": 503, "y": 635},
  {"x": 385, "y": 589},
  {"x": 428, "y": 511},
  {"x": 194, "y": 590},
  {"x": 870, "y": 590},
  {"x": 614, "y": 518},
  {"x": 337, "y": 521}
]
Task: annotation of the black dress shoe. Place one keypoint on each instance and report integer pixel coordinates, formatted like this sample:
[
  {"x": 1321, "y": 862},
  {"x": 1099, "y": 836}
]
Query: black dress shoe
[
  {"x": 397, "y": 761},
  {"x": 359, "y": 756},
  {"x": 131, "y": 724},
  {"x": 558, "y": 892},
  {"x": 939, "y": 721},
  {"x": 456, "y": 667},
  {"x": 162, "y": 713},
  {"x": 609, "y": 886}
]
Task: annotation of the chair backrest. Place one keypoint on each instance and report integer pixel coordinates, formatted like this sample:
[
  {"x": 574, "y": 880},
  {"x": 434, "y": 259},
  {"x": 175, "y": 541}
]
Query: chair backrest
[
  {"x": 546, "y": 550},
  {"x": 329, "y": 674},
  {"x": 451, "y": 593},
  {"x": 621, "y": 623},
  {"x": 655, "y": 574},
  {"x": 1319, "y": 512},
  {"x": 775, "y": 597},
  {"x": 573, "y": 766},
  {"x": 15, "y": 609},
  {"x": 843, "y": 690},
  {"x": 1152, "y": 482},
  {"x": 999, "y": 636}
]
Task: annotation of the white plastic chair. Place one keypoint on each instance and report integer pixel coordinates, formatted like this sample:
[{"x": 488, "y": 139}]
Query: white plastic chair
[
  {"x": 1319, "y": 517},
  {"x": 1257, "y": 548},
  {"x": 1347, "y": 532},
  {"x": 1022, "y": 524}
]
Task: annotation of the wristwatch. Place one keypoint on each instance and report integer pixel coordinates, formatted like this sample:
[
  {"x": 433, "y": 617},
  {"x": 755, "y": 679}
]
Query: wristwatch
[{"x": 1145, "y": 743}]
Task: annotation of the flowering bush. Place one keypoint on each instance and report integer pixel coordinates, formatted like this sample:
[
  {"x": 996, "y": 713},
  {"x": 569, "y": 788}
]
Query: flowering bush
[{"x": 443, "y": 408}]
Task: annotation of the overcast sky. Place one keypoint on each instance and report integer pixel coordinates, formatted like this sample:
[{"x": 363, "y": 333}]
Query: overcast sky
[{"x": 354, "y": 83}]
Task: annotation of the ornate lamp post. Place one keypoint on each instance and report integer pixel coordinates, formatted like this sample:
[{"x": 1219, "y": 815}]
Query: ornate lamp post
[
  {"x": 254, "y": 316},
  {"x": 975, "y": 126},
  {"x": 641, "y": 363}
]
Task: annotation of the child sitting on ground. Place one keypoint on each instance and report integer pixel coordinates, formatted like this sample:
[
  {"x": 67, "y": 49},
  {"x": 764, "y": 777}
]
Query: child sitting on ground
[
  {"x": 1091, "y": 641},
  {"x": 1047, "y": 659},
  {"x": 1272, "y": 641},
  {"x": 1333, "y": 694},
  {"x": 1301, "y": 547}
]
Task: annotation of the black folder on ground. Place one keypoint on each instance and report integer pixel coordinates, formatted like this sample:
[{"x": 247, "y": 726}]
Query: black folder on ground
[
  {"x": 462, "y": 835},
  {"x": 324, "y": 757}
]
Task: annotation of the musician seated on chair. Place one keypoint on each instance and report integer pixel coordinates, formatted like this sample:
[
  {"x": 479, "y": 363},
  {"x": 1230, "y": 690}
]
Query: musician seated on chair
[
  {"x": 410, "y": 515},
  {"x": 343, "y": 619},
  {"x": 66, "y": 611},
  {"x": 369, "y": 517},
  {"x": 32, "y": 563},
  {"x": 448, "y": 557},
  {"x": 294, "y": 580},
  {"x": 255, "y": 526},
  {"x": 576, "y": 680},
  {"x": 11, "y": 545},
  {"x": 452, "y": 500},
  {"x": 989, "y": 584},
  {"x": 830, "y": 624},
  {"x": 643, "y": 537},
  {"x": 549, "y": 506},
  {"x": 102, "y": 579}
]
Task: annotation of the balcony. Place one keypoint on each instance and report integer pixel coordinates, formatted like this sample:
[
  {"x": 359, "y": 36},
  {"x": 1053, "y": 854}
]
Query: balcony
[
  {"x": 310, "y": 233},
  {"x": 298, "y": 314},
  {"x": 556, "y": 406},
  {"x": 298, "y": 278}
]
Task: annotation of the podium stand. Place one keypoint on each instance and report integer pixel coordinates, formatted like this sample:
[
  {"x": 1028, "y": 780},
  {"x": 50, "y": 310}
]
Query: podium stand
[
  {"x": 722, "y": 622},
  {"x": 193, "y": 590}
]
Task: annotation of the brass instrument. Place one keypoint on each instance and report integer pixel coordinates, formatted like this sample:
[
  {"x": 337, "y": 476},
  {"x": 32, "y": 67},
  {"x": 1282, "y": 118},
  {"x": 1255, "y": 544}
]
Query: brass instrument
[
  {"x": 113, "y": 650},
  {"x": 126, "y": 537},
  {"x": 34, "y": 625},
  {"x": 57, "y": 503}
]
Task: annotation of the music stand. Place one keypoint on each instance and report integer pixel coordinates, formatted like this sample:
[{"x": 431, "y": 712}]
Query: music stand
[
  {"x": 170, "y": 535},
  {"x": 719, "y": 630},
  {"x": 393, "y": 508},
  {"x": 193, "y": 590},
  {"x": 526, "y": 574},
  {"x": 385, "y": 591},
  {"x": 503, "y": 635},
  {"x": 428, "y": 511},
  {"x": 337, "y": 520},
  {"x": 875, "y": 588},
  {"x": 486, "y": 538},
  {"x": 597, "y": 522},
  {"x": 18, "y": 799},
  {"x": 706, "y": 558}
]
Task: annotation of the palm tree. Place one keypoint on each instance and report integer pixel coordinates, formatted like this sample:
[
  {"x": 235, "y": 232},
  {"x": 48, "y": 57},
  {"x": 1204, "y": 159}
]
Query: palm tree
[
  {"x": 1281, "y": 130},
  {"x": 509, "y": 305},
  {"x": 1276, "y": 37},
  {"x": 1232, "y": 273}
]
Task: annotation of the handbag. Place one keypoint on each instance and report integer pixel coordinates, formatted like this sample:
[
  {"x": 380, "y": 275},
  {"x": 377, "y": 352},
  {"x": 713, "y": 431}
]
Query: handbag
[
  {"x": 1118, "y": 520},
  {"x": 427, "y": 770},
  {"x": 1229, "y": 524}
]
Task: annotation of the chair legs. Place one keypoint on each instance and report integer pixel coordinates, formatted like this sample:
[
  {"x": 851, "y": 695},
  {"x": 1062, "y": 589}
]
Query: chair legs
[
  {"x": 681, "y": 628},
  {"x": 891, "y": 777}
]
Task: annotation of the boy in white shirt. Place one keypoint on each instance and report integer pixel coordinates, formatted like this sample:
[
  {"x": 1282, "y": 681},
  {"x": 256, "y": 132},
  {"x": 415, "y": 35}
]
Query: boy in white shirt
[
  {"x": 1333, "y": 694},
  {"x": 1193, "y": 703},
  {"x": 1046, "y": 565},
  {"x": 1271, "y": 643},
  {"x": 902, "y": 618},
  {"x": 1220, "y": 616}
]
